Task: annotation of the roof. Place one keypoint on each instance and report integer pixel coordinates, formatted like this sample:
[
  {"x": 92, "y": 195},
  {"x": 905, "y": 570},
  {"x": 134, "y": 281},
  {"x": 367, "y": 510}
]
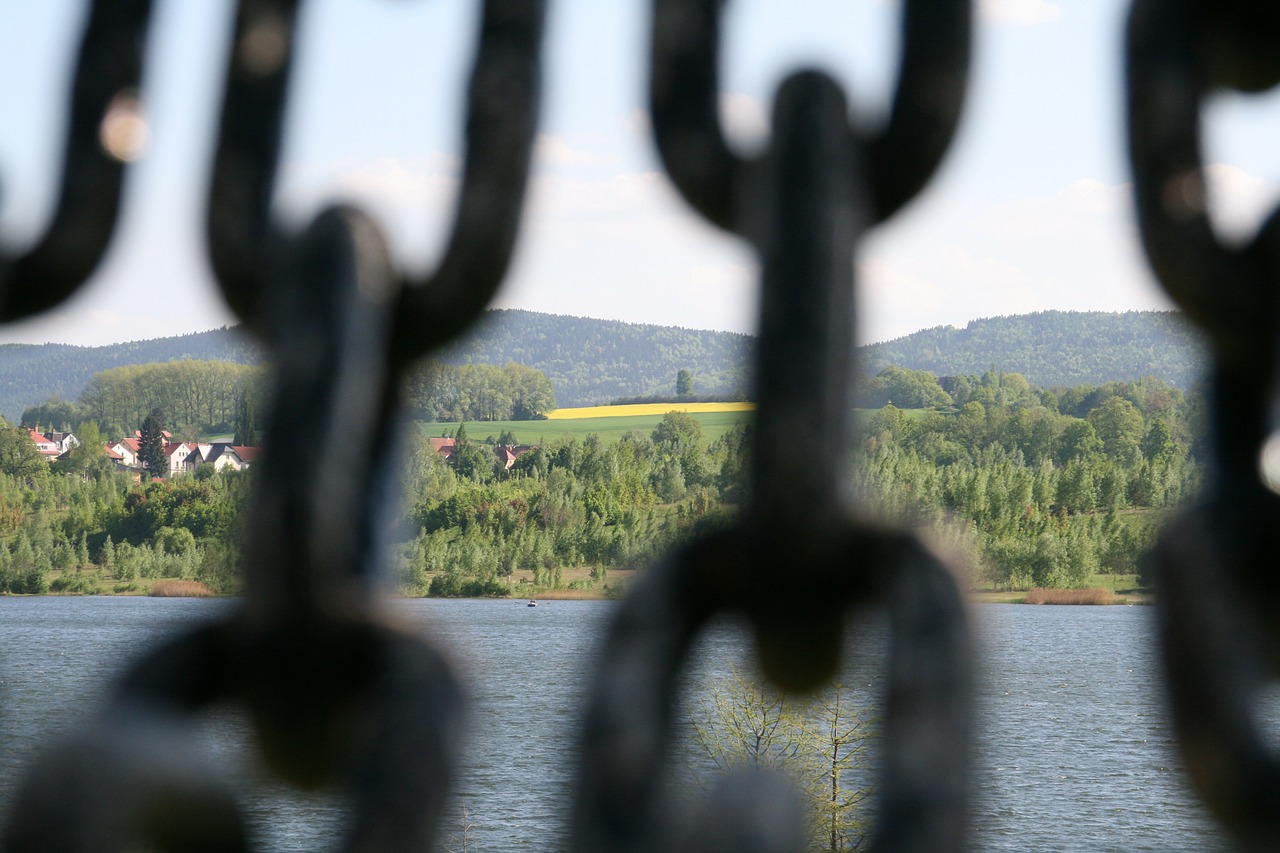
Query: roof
[
  {"x": 44, "y": 444},
  {"x": 248, "y": 454}
]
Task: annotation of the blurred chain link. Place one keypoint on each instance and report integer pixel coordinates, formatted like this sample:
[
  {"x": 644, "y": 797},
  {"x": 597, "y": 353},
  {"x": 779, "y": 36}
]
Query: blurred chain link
[
  {"x": 339, "y": 696},
  {"x": 1219, "y": 596}
]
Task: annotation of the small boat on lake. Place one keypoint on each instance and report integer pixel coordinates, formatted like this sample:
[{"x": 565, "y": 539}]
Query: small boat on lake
[{"x": 532, "y": 603}]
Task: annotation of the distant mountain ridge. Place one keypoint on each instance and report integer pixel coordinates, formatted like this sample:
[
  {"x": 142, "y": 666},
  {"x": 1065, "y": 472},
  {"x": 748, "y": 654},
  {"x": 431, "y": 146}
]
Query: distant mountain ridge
[
  {"x": 1054, "y": 348},
  {"x": 588, "y": 361},
  {"x": 32, "y": 373},
  {"x": 593, "y": 361}
]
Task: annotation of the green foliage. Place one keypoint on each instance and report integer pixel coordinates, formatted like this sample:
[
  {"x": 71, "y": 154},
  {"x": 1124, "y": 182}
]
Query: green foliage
[
  {"x": 1053, "y": 348},
  {"x": 59, "y": 372},
  {"x": 684, "y": 383},
  {"x": 151, "y": 445},
  {"x": 590, "y": 362},
  {"x": 197, "y": 396},
  {"x": 53, "y": 414},
  {"x": 609, "y": 430},
  {"x": 1033, "y": 486},
  {"x": 19, "y": 456},
  {"x": 908, "y": 389},
  {"x": 69, "y": 530},
  {"x": 441, "y": 392}
]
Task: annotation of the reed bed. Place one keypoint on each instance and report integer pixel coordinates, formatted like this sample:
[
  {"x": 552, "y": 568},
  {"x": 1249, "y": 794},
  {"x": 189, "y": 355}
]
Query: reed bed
[
  {"x": 1071, "y": 596},
  {"x": 179, "y": 589}
]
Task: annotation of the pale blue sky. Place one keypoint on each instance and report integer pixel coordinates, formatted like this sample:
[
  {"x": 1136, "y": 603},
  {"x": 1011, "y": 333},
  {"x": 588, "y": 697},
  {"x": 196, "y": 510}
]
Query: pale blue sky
[{"x": 1030, "y": 211}]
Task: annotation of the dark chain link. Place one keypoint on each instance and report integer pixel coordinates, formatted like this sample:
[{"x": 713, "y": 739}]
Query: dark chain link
[
  {"x": 337, "y": 695},
  {"x": 1219, "y": 597},
  {"x": 798, "y": 561}
]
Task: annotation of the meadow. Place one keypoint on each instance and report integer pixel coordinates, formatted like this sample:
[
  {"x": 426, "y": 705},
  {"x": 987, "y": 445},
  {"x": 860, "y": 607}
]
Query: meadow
[{"x": 610, "y": 423}]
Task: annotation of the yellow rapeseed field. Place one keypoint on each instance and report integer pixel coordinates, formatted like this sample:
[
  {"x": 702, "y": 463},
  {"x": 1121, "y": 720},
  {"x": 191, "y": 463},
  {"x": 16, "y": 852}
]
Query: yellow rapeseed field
[{"x": 646, "y": 409}]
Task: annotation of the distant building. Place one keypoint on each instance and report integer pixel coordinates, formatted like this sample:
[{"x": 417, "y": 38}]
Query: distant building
[{"x": 48, "y": 448}]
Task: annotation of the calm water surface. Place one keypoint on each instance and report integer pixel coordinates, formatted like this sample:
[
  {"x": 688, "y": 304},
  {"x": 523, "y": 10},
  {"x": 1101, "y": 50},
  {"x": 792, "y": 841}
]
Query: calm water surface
[{"x": 1073, "y": 751}]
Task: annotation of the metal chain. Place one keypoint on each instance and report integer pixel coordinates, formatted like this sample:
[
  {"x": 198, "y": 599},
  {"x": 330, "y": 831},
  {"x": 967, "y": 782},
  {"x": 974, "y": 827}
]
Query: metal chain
[
  {"x": 798, "y": 561},
  {"x": 1219, "y": 604},
  {"x": 337, "y": 695}
]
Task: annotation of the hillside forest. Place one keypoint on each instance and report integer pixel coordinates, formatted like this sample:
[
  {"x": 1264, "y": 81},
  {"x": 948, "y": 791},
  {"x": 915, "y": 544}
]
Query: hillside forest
[
  {"x": 203, "y": 398},
  {"x": 1028, "y": 486},
  {"x": 593, "y": 362}
]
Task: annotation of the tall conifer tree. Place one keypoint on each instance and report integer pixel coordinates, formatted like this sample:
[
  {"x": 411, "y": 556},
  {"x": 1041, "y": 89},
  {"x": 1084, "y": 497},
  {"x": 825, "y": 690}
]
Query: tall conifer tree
[{"x": 151, "y": 444}]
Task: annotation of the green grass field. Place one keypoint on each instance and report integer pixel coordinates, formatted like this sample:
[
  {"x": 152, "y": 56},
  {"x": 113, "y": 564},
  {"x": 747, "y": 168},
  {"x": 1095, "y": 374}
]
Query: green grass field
[{"x": 714, "y": 425}]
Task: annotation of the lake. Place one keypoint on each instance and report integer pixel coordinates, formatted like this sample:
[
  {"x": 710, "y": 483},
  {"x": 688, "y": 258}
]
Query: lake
[{"x": 1073, "y": 748}]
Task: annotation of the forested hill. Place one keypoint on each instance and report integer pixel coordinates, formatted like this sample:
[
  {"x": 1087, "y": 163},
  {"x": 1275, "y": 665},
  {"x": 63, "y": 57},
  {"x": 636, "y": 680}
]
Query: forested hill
[
  {"x": 590, "y": 362},
  {"x": 595, "y": 361},
  {"x": 1053, "y": 348},
  {"x": 32, "y": 373}
]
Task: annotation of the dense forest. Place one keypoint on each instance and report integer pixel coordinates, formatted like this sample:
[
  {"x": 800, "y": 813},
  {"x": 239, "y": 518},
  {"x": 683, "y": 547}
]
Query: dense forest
[
  {"x": 478, "y": 392},
  {"x": 203, "y": 398},
  {"x": 1030, "y": 486},
  {"x": 592, "y": 362},
  {"x": 1053, "y": 348},
  {"x": 196, "y": 399},
  {"x": 589, "y": 362},
  {"x": 30, "y": 373}
]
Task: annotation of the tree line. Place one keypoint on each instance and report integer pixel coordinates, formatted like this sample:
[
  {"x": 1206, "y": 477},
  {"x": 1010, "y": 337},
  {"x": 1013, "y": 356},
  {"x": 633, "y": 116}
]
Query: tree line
[
  {"x": 441, "y": 392},
  {"x": 196, "y": 397},
  {"x": 209, "y": 397},
  {"x": 92, "y": 527},
  {"x": 475, "y": 528},
  {"x": 1054, "y": 348},
  {"x": 1034, "y": 486},
  {"x": 1039, "y": 487}
]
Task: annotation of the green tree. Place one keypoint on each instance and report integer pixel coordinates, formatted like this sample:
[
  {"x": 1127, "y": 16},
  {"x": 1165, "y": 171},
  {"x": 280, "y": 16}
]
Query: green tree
[
  {"x": 1079, "y": 441},
  {"x": 684, "y": 383},
  {"x": 87, "y": 454},
  {"x": 19, "y": 456},
  {"x": 245, "y": 420},
  {"x": 907, "y": 389},
  {"x": 1120, "y": 428},
  {"x": 151, "y": 444}
]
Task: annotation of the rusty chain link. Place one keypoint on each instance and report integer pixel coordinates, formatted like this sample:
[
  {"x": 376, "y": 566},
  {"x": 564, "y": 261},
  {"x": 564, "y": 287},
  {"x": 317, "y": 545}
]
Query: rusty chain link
[{"x": 338, "y": 695}]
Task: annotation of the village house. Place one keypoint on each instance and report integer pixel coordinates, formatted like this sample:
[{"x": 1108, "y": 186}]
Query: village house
[
  {"x": 507, "y": 453},
  {"x": 182, "y": 456},
  {"x": 176, "y": 454},
  {"x": 222, "y": 455},
  {"x": 125, "y": 451},
  {"x": 48, "y": 448},
  {"x": 186, "y": 456}
]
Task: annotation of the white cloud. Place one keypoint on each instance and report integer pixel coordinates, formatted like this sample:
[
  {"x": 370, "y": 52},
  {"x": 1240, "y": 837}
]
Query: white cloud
[
  {"x": 556, "y": 152},
  {"x": 1022, "y": 13},
  {"x": 963, "y": 257}
]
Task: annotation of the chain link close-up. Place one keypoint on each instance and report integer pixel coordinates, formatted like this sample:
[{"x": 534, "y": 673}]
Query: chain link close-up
[{"x": 340, "y": 697}]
